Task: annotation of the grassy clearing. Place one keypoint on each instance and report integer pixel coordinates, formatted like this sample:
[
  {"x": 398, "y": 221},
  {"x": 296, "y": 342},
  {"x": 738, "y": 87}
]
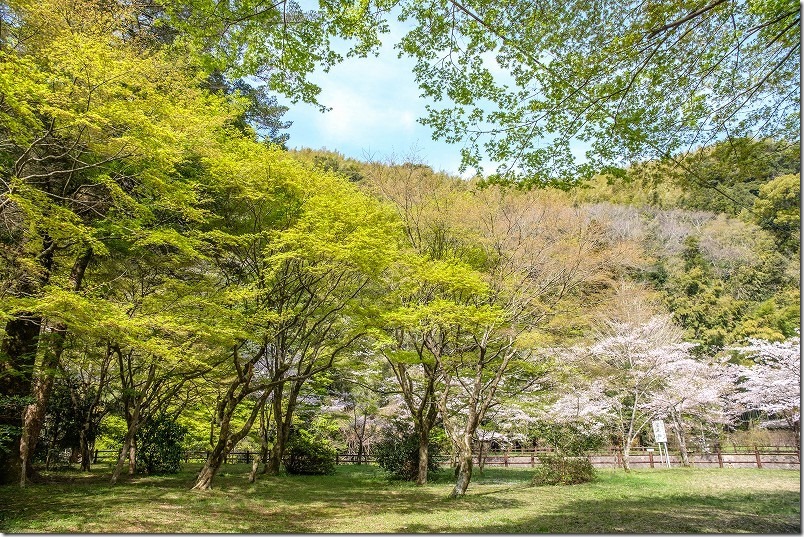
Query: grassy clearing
[{"x": 359, "y": 499}]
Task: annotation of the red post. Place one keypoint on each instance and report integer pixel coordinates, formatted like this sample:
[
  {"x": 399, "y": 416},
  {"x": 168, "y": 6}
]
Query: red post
[{"x": 756, "y": 452}]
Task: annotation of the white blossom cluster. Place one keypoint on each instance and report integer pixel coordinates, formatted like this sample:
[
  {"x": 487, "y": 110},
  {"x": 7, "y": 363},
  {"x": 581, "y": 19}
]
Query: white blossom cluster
[{"x": 773, "y": 384}]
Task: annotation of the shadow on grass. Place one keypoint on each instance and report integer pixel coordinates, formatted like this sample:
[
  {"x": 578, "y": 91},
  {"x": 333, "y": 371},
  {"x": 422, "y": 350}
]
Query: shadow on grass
[
  {"x": 728, "y": 513},
  {"x": 500, "y": 501},
  {"x": 158, "y": 504}
]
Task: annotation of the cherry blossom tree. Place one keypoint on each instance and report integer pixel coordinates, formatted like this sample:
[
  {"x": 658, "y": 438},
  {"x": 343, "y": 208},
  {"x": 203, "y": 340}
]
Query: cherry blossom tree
[
  {"x": 637, "y": 360},
  {"x": 694, "y": 391},
  {"x": 632, "y": 362},
  {"x": 579, "y": 417},
  {"x": 589, "y": 406},
  {"x": 773, "y": 384}
]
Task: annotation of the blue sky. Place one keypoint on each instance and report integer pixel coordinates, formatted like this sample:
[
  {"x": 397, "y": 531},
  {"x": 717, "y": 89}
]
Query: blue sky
[{"x": 374, "y": 107}]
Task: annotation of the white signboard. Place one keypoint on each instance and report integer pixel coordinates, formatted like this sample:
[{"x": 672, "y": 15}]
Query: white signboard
[{"x": 658, "y": 431}]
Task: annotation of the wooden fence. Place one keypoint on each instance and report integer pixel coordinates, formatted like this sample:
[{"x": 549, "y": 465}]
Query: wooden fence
[{"x": 787, "y": 457}]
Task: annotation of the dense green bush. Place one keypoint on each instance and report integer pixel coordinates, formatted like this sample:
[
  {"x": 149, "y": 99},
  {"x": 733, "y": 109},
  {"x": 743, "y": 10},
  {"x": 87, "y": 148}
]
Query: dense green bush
[
  {"x": 309, "y": 454},
  {"x": 10, "y": 405},
  {"x": 561, "y": 470},
  {"x": 159, "y": 446},
  {"x": 398, "y": 454}
]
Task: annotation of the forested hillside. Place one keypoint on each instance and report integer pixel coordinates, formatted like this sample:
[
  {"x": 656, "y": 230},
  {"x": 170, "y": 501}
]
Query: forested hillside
[
  {"x": 172, "y": 278},
  {"x": 721, "y": 247}
]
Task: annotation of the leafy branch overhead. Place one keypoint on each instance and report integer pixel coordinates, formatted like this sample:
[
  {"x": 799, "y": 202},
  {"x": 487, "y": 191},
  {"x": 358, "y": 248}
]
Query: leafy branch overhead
[{"x": 520, "y": 81}]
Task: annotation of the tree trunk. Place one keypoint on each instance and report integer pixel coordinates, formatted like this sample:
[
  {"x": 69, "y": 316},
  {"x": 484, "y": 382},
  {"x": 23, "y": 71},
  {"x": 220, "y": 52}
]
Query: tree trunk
[
  {"x": 263, "y": 458},
  {"x": 52, "y": 441},
  {"x": 87, "y": 433},
  {"x": 252, "y": 476},
  {"x": 86, "y": 451},
  {"x": 274, "y": 460},
  {"x": 16, "y": 373},
  {"x": 211, "y": 466},
  {"x": 218, "y": 454},
  {"x": 278, "y": 449},
  {"x": 464, "y": 471},
  {"x": 227, "y": 439},
  {"x": 132, "y": 456},
  {"x": 424, "y": 457},
  {"x": 626, "y": 453},
  {"x": 121, "y": 458},
  {"x": 34, "y": 414},
  {"x": 283, "y": 419},
  {"x": 128, "y": 447},
  {"x": 682, "y": 442}
]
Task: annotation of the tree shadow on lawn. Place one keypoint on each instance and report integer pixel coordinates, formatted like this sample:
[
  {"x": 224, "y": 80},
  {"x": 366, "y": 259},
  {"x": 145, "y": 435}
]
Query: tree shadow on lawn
[
  {"x": 379, "y": 495},
  {"x": 727, "y": 513},
  {"x": 132, "y": 508},
  {"x": 288, "y": 504}
]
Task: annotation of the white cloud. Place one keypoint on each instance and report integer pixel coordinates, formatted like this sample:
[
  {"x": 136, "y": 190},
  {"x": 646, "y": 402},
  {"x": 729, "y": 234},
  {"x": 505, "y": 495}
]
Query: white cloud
[
  {"x": 375, "y": 106},
  {"x": 358, "y": 117}
]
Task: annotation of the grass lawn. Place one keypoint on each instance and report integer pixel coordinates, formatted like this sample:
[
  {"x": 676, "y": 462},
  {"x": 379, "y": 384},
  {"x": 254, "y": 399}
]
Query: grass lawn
[{"x": 359, "y": 499}]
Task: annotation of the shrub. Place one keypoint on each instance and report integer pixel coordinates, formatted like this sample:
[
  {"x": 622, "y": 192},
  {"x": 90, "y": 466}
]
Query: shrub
[
  {"x": 309, "y": 454},
  {"x": 159, "y": 446},
  {"x": 558, "y": 470},
  {"x": 398, "y": 454},
  {"x": 11, "y": 405}
]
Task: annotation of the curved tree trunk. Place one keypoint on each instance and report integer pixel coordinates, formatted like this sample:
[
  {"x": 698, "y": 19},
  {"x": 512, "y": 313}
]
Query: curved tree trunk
[
  {"x": 464, "y": 470},
  {"x": 121, "y": 458},
  {"x": 132, "y": 456},
  {"x": 211, "y": 467},
  {"x": 227, "y": 438},
  {"x": 129, "y": 449},
  {"x": 34, "y": 414}
]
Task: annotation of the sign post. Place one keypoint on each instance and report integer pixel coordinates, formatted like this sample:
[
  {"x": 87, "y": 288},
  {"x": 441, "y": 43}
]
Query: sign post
[{"x": 660, "y": 436}]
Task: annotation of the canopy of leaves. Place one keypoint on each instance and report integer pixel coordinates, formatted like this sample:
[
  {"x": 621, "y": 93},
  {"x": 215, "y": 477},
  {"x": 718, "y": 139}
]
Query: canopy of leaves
[{"x": 520, "y": 81}]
